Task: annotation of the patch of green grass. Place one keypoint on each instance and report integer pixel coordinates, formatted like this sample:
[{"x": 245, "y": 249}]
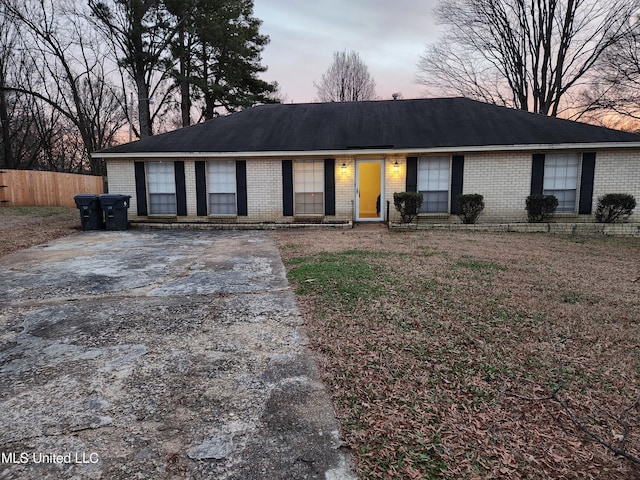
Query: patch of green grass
[
  {"x": 480, "y": 266},
  {"x": 575, "y": 297},
  {"x": 489, "y": 371},
  {"x": 425, "y": 460},
  {"x": 344, "y": 276},
  {"x": 421, "y": 456}
]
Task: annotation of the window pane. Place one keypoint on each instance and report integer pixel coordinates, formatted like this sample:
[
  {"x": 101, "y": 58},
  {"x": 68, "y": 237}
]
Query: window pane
[
  {"x": 161, "y": 177},
  {"x": 311, "y": 203},
  {"x": 162, "y": 203},
  {"x": 433, "y": 173},
  {"x": 433, "y": 183},
  {"x": 221, "y": 184},
  {"x": 222, "y": 177},
  {"x": 162, "y": 188},
  {"x": 435, "y": 202},
  {"x": 561, "y": 179},
  {"x": 308, "y": 176},
  {"x": 222, "y": 203},
  {"x": 566, "y": 200}
]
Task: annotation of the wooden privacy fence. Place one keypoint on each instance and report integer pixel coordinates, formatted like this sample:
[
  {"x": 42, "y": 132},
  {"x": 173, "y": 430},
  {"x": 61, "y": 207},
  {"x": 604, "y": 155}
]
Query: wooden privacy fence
[{"x": 29, "y": 188}]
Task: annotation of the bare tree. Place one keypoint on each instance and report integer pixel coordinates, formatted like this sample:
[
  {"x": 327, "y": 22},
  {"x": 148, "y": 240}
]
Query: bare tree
[
  {"x": 140, "y": 32},
  {"x": 19, "y": 112},
  {"x": 347, "y": 80},
  {"x": 614, "y": 94},
  {"x": 527, "y": 54},
  {"x": 7, "y": 47},
  {"x": 68, "y": 75}
]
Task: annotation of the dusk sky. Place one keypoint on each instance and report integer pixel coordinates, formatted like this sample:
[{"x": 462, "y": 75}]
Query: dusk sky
[{"x": 388, "y": 35}]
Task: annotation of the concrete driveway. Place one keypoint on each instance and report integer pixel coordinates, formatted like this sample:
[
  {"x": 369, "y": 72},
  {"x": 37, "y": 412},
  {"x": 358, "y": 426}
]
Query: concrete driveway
[{"x": 159, "y": 354}]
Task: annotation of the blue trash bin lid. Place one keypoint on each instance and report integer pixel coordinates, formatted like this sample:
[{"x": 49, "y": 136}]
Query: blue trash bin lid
[
  {"x": 84, "y": 199},
  {"x": 111, "y": 199}
]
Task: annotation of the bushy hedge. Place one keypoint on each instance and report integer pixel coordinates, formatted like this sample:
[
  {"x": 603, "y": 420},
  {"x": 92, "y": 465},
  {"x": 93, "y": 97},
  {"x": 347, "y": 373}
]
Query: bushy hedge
[
  {"x": 408, "y": 204},
  {"x": 540, "y": 207},
  {"x": 470, "y": 207},
  {"x": 613, "y": 206}
]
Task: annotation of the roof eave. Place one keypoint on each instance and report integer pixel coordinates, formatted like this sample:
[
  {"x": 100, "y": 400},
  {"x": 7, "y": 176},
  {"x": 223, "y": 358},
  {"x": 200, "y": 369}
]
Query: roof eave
[{"x": 376, "y": 151}]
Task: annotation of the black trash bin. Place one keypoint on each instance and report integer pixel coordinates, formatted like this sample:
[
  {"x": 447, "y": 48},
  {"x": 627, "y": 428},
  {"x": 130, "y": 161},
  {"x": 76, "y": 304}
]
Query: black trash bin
[
  {"x": 90, "y": 211},
  {"x": 115, "y": 208}
]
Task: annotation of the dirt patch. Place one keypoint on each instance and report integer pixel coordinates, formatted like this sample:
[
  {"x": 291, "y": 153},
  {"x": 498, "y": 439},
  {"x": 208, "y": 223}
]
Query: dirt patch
[
  {"x": 471, "y": 355},
  {"x": 24, "y": 227}
]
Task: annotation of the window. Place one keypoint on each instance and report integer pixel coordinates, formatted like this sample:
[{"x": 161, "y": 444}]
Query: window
[
  {"x": 308, "y": 181},
  {"x": 222, "y": 188},
  {"x": 433, "y": 183},
  {"x": 162, "y": 188},
  {"x": 561, "y": 179}
]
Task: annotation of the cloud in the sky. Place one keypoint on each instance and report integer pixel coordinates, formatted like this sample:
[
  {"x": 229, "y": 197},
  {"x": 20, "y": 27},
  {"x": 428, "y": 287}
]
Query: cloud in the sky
[{"x": 388, "y": 35}]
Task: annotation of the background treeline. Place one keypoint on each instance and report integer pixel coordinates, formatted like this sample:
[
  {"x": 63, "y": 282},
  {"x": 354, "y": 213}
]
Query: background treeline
[{"x": 77, "y": 76}]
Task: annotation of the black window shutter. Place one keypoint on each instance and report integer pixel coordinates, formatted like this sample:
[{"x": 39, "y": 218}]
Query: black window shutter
[
  {"x": 412, "y": 174},
  {"x": 287, "y": 188},
  {"x": 241, "y": 187},
  {"x": 457, "y": 176},
  {"x": 181, "y": 189},
  {"x": 141, "y": 189},
  {"x": 537, "y": 173},
  {"x": 586, "y": 183},
  {"x": 201, "y": 188},
  {"x": 329, "y": 186}
]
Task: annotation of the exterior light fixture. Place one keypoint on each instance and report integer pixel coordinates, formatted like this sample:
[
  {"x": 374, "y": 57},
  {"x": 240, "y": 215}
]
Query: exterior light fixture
[
  {"x": 344, "y": 167},
  {"x": 396, "y": 167}
]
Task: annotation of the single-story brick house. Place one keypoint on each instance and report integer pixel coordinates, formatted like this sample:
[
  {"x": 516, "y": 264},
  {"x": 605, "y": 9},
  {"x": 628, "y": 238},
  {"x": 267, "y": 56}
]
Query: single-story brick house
[{"x": 341, "y": 162}]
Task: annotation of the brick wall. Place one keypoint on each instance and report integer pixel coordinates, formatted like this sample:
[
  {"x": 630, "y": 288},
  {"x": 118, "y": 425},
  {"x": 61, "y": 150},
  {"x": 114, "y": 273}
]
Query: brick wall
[
  {"x": 395, "y": 181},
  {"x": 190, "y": 187},
  {"x": 618, "y": 171},
  {"x": 503, "y": 178},
  {"x": 121, "y": 179},
  {"x": 345, "y": 188},
  {"x": 264, "y": 190}
]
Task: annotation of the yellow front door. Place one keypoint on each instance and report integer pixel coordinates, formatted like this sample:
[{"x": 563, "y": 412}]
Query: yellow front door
[{"x": 369, "y": 190}]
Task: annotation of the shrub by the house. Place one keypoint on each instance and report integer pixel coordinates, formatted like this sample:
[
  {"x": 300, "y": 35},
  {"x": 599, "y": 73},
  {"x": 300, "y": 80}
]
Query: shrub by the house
[
  {"x": 408, "y": 204},
  {"x": 540, "y": 207},
  {"x": 613, "y": 206},
  {"x": 470, "y": 207}
]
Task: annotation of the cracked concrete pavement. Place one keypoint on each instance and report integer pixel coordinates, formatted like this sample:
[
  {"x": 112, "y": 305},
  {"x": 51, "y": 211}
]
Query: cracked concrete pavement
[{"x": 159, "y": 354}]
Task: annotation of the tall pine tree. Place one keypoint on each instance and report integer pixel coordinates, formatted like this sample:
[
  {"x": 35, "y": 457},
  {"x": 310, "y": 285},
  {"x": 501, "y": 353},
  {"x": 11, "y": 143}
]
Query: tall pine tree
[{"x": 217, "y": 55}]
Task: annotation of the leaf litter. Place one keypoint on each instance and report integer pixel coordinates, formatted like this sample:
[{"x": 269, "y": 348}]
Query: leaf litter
[{"x": 465, "y": 354}]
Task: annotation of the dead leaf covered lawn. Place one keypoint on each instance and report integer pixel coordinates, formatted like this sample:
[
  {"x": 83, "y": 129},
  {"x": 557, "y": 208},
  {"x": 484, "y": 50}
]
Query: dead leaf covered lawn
[{"x": 472, "y": 355}]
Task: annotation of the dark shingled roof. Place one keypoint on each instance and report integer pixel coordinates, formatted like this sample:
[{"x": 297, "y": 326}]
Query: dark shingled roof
[{"x": 397, "y": 124}]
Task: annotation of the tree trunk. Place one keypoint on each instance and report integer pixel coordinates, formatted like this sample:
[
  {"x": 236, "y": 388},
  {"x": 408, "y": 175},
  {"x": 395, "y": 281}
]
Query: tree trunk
[
  {"x": 185, "y": 94},
  {"x": 4, "y": 123},
  {"x": 144, "y": 113}
]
